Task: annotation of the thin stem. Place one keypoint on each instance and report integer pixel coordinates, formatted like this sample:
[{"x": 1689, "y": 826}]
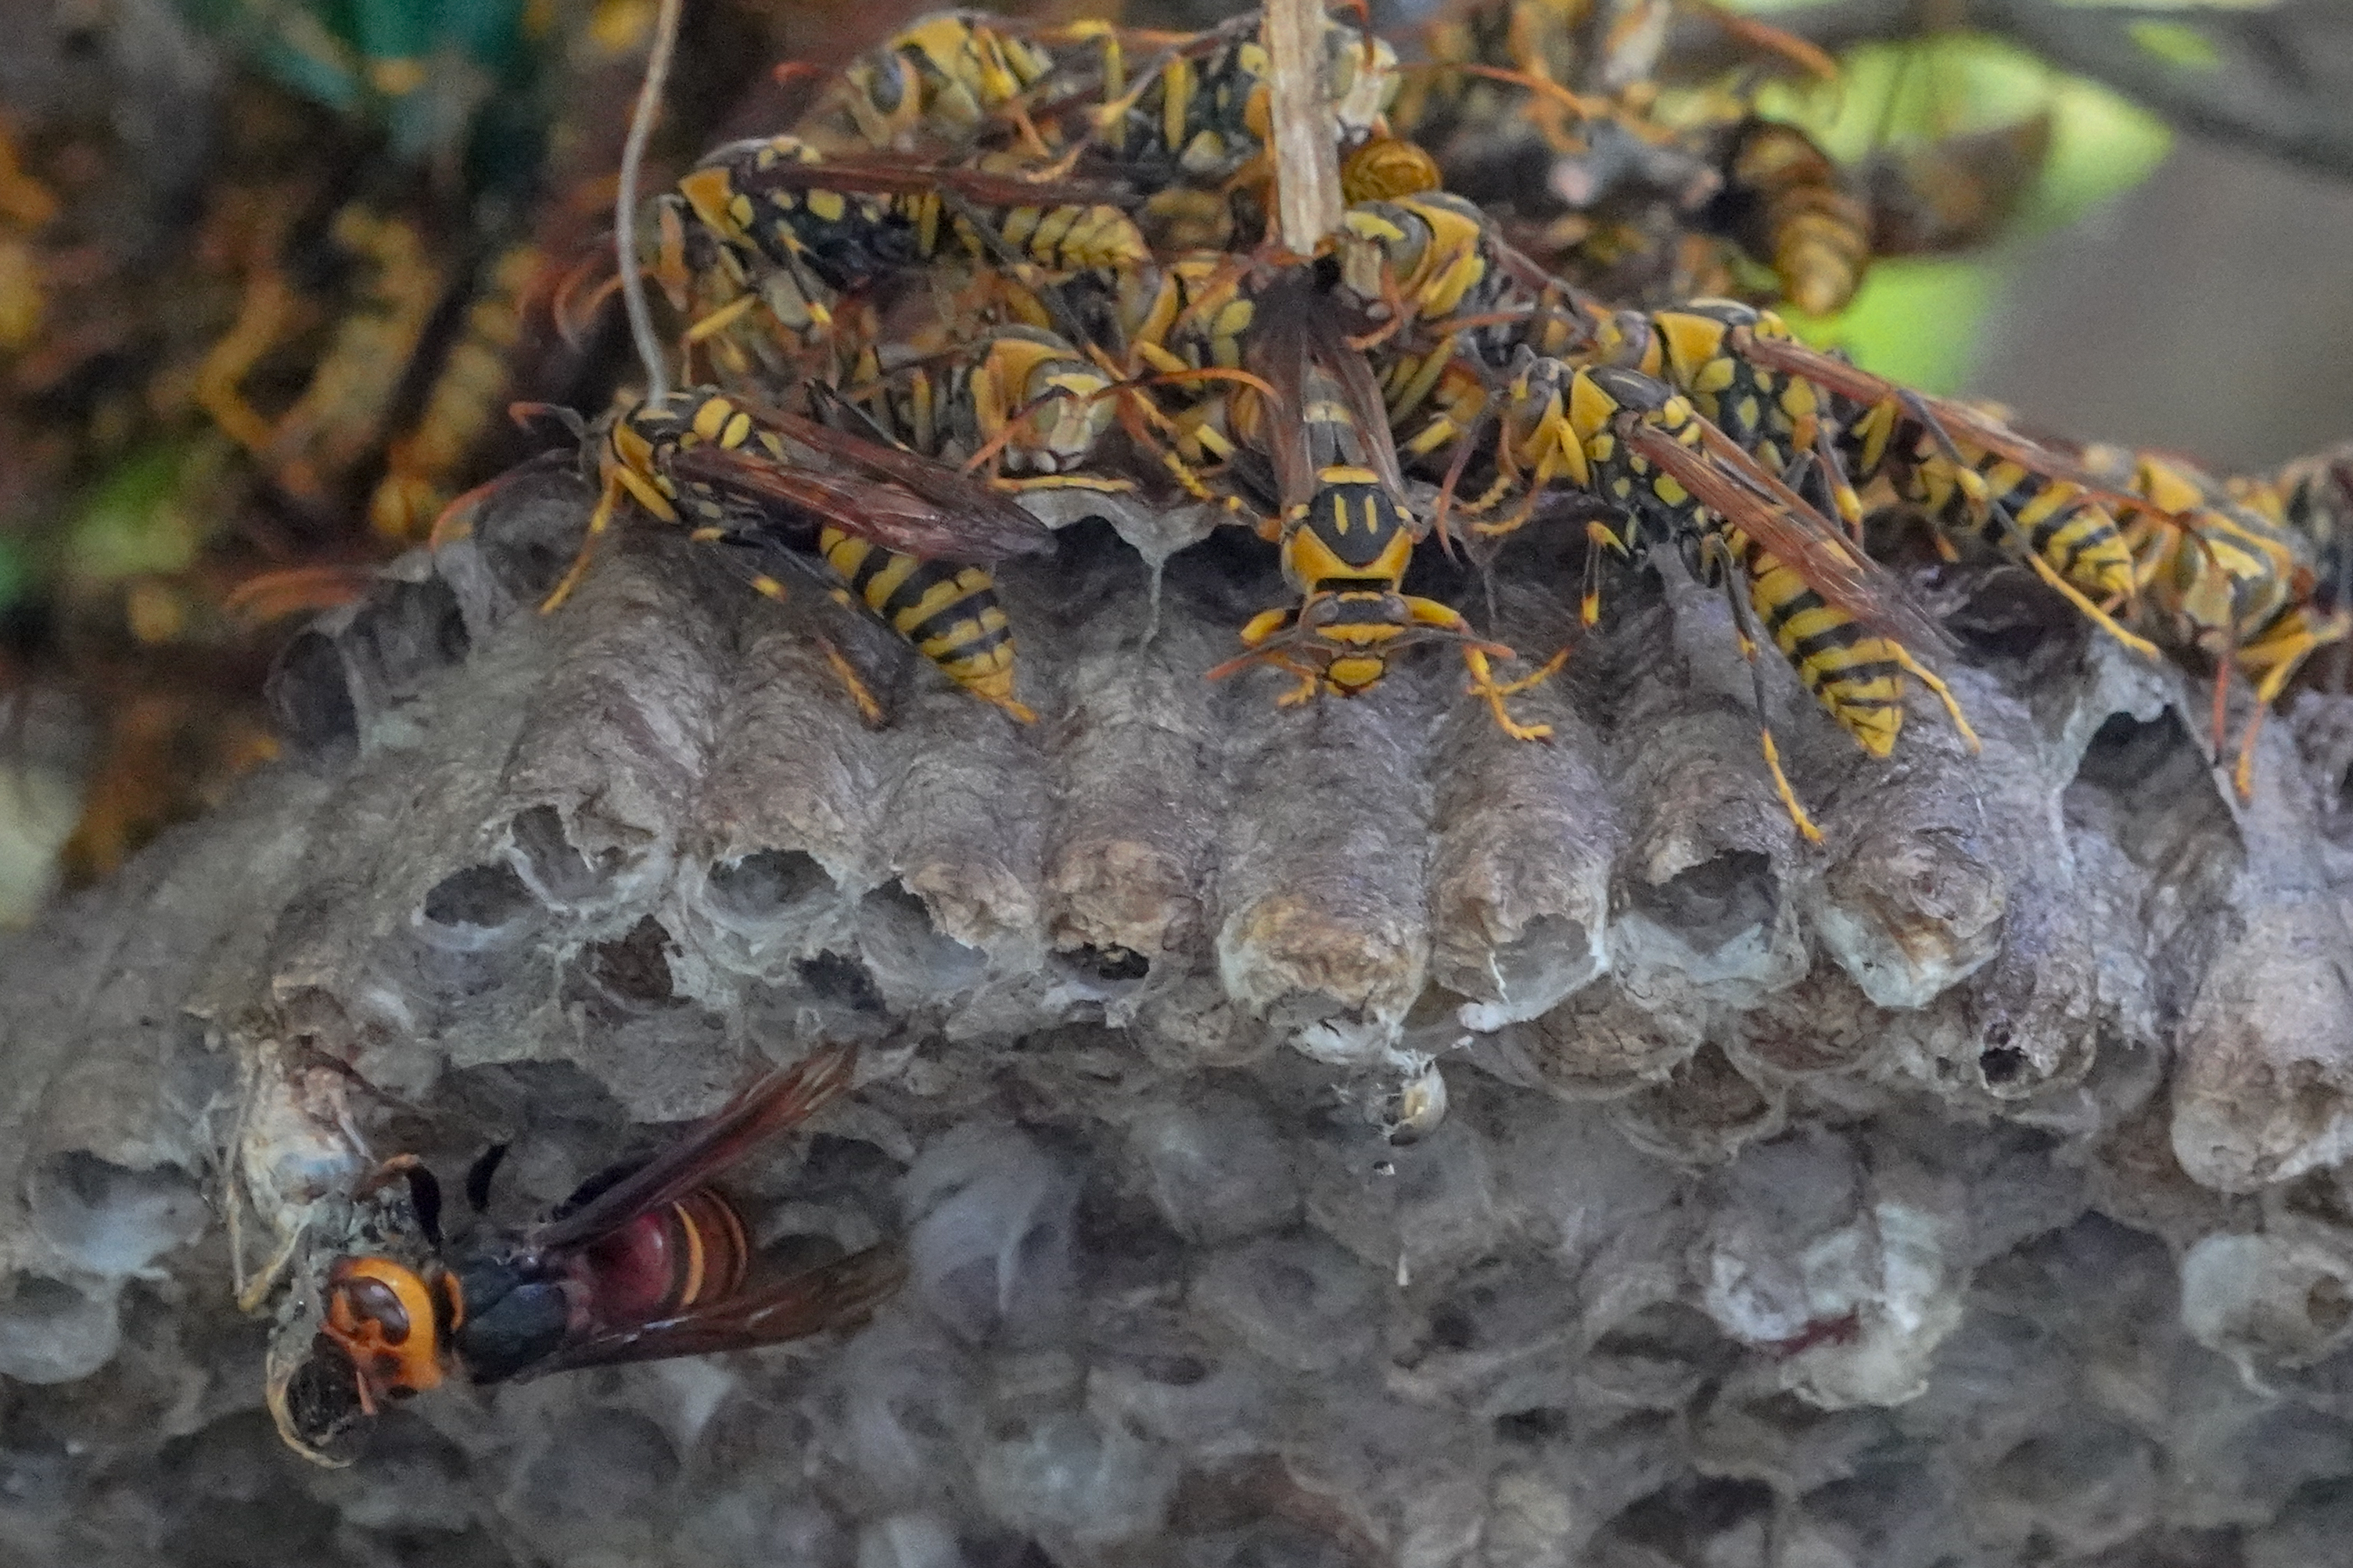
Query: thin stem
[{"x": 633, "y": 154}]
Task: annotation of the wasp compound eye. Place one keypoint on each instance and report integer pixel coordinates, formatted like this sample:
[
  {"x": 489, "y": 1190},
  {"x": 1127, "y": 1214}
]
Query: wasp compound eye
[
  {"x": 375, "y": 1302},
  {"x": 382, "y": 1314}
]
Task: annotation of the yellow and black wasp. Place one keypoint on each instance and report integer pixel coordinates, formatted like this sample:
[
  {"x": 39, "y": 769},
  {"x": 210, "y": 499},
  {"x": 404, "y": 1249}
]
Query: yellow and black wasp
[
  {"x": 2237, "y": 582},
  {"x": 773, "y": 228},
  {"x": 1346, "y": 533},
  {"x": 469, "y": 389},
  {"x": 1452, "y": 300},
  {"x": 1192, "y": 129},
  {"x": 908, "y": 538},
  {"x": 1018, "y": 398},
  {"x": 2240, "y": 588},
  {"x": 1202, "y": 114},
  {"x": 1547, "y": 111},
  {"x": 26, "y": 207},
  {"x": 1786, "y": 202},
  {"x": 1497, "y": 72},
  {"x": 1966, "y": 469},
  {"x": 937, "y": 85},
  {"x": 1631, "y": 442},
  {"x": 1424, "y": 258},
  {"x": 2312, "y": 496}
]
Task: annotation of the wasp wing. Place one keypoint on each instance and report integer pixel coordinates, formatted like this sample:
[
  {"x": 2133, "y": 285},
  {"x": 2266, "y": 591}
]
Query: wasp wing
[
  {"x": 1943, "y": 418},
  {"x": 896, "y": 516},
  {"x": 783, "y": 1098},
  {"x": 901, "y": 177},
  {"x": 1297, "y": 347},
  {"x": 981, "y": 524},
  {"x": 1277, "y": 354},
  {"x": 831, "y": 1296},
  {"x": 1730, "y": 483}
]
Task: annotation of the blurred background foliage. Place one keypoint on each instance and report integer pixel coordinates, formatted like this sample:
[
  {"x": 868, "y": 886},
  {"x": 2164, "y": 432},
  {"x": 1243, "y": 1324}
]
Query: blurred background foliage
[
  {"x": 1919, "y": 320},
  {"x": 271, "y": 269}
]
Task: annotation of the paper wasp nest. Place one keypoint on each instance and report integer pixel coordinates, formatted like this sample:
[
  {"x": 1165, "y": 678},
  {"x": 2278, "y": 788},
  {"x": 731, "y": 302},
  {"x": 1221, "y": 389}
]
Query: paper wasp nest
[{"x": 1329, "y": 1136}]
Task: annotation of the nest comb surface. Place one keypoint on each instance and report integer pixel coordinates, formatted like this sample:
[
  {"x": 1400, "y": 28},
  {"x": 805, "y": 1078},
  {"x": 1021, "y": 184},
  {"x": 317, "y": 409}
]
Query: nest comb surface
[{"x": 1332, "y": 1135}]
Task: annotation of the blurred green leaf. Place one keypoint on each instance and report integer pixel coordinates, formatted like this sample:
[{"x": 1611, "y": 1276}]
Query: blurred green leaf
[
  {"x": 1952, "y": 83},
  {"x": 2177, "y": 43},
  {"x": 1913, "y": 322},
  {"x": 1918, "y": 322},
  {"x": 134, "y": 522},
  {"x": 421, "y": 69},
  {"x": 2101, "y": 146}
]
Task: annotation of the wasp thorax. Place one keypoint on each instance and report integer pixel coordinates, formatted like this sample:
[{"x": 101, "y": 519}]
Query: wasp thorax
[{"x": 1355, "y": 528}]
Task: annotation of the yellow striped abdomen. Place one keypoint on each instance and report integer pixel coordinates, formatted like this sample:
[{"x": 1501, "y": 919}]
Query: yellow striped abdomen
[
  {"x": 1853, "y": 674},
  {"x": 2077, "y": 538},
  {"x": 1073, "y": 238},
  {"x": 948, "y": 612}
]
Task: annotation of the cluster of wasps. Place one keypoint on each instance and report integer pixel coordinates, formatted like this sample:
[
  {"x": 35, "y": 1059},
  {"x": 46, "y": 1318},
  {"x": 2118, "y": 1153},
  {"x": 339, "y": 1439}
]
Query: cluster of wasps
[
  {"x": 995, "y": 261},
  {"x": 995, "y": 264}
]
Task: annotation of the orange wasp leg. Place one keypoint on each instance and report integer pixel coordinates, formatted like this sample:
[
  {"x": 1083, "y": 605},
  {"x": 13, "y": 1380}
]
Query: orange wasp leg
[
  {"x": 1483, "y": 684},
  {"x": 869, "y": 708},
  {"x": 2280, "y": 662},
  {"x": 618, "y": 481}
]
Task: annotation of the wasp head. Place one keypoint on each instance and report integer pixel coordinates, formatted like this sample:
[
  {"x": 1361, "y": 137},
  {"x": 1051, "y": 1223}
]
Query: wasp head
[
  {"x": 392, "y": 1323},
  {"x": 1061, "y": 401}
]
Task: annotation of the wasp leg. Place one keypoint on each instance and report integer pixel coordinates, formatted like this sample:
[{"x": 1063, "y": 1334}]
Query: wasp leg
[
  {"x": 1839, "y": 484},
  {"x": 1556, "y": 442},
  {"x": 1733, "y": 578},
  {"x": 718, "y": 320},
  {"x": 1144, "y": 424},
  {"x": 869, "y": 708},
  {"x": 618, "y": 481},
  {"x": 2280, "y": 660},
  {"x": 1599, "y": 536},
  {"x": 1483, "y": 684},
  {"x": 1097, "y": 483},
  {"x": 2223, "y": 664},
  {"x": 2073, "y": 594},
  {"x": 1263, "y": 629},
  {"x": 599, "y": 521},
  {"x": 1973, "y": 483},
  {"x": 1944, "y": 693},
  {"x": 1309, "y": 682}
]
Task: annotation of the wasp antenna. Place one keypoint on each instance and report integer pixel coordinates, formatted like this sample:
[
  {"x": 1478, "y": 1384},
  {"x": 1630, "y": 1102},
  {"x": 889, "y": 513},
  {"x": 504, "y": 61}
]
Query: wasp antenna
[
  {"x": 524, "y": 414},
  {"x": 576, "y": 301},
  {"x": 633, "y": 154}
]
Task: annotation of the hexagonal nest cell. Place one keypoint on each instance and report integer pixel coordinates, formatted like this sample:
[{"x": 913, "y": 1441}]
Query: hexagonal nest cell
[{"x": 1338, "y": 1134}]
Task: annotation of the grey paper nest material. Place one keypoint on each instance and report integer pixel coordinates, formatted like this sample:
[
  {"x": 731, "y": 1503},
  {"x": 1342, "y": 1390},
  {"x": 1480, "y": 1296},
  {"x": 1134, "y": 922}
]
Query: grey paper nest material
[{"x": 1341, "y": 1136}]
